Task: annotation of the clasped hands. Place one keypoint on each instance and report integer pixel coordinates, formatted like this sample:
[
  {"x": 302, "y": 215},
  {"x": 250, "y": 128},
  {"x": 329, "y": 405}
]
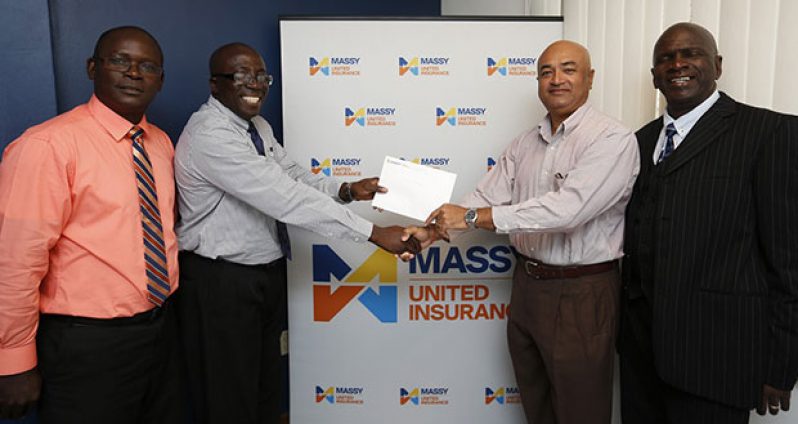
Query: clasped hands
[{"x": 407, "y": 242}]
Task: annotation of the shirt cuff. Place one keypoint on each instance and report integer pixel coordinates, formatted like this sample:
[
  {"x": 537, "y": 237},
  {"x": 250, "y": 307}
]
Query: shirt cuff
[
  {"x": 332, "y": 187},
  {"x": 16, "y": 360},
  {"x": 362, "y": 231}
]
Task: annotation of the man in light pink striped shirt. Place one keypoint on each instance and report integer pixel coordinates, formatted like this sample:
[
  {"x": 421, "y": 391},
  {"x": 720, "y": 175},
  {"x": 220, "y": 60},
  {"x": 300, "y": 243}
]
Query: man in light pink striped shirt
[{"x": 559, "y": 191}]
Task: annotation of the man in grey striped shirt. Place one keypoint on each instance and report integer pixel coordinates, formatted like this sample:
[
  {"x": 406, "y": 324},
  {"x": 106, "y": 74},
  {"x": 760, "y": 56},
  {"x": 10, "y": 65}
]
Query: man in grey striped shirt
[{"x": 237, "y": 189}]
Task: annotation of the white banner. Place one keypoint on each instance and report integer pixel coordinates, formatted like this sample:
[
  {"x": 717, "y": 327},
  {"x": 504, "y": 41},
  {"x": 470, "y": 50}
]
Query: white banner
[{"x": 373, "y": 339}]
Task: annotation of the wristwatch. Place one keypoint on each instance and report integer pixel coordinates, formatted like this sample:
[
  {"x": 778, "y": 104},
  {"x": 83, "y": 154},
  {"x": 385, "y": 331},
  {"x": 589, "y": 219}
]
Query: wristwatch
[
  {"x": 345, "y": 193},
  {"x": 471, "y": 216}
]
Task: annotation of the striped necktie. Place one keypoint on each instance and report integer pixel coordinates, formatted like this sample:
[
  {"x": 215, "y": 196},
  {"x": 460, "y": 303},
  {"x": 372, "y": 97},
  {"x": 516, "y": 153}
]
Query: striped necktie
[
  {"x": 666, "y": 151},
  {"x": 154, "y": 250},
  {"x": 282, "y": 231}
]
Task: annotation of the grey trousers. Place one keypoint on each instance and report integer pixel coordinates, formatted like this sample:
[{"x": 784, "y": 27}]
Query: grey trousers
[{"x": 561, "y": 334}]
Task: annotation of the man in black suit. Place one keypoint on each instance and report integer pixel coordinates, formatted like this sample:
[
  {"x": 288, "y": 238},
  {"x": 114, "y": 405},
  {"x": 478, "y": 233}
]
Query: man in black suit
[{"x": 710, "y": 314}]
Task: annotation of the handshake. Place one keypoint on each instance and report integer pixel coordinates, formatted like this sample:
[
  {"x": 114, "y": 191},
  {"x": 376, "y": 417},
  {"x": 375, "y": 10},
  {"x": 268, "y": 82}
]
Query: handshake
[{"x": 406, "y": 242}]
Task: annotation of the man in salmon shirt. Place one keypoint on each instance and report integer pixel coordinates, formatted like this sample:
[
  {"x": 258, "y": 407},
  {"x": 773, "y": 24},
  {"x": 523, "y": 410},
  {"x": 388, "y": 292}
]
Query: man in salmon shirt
[{"x": 88, "y": 257}]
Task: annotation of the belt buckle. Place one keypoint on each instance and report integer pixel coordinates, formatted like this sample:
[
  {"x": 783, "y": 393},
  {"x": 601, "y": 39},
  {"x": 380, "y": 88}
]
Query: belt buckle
[{"x": 530, "y": 265}]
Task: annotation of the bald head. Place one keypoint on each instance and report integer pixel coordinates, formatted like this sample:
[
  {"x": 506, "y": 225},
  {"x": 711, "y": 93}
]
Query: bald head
[
  {"x": 564, "y": 79},
  {"x": 221, "y": 56},
  {"x": 697, "y": 33},
  {"x": 123, "y": 32},
  {"x": 573, "y": 49},
  {"x": 686, "y": 67}
]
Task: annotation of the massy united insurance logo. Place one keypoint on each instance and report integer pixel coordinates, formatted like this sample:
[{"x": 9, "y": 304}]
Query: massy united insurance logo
[
  {"x": 513, "y": 66},
  {"x": 340, "y": 395},
  {"x": 334, "y": 66},
  {"x": 502, "y": 396},
  {"x": 460, "y": 116},
  {"x": 491, "y": 163},
  {"x": 426, "y": 396},
  {"x": 336, "y": 167},
  {"x": 424, "y": 66},
  {"x": 370, "y": 116},
  {"x": 436, "y": 162},
  {"x": 354, "y": 284}
]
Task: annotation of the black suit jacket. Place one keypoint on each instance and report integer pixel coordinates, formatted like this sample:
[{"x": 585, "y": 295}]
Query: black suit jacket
[{"x": 712, "y": 244}]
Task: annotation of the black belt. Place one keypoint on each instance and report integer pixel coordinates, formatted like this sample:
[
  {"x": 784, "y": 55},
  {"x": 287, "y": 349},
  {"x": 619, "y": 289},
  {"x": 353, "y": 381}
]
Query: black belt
[
  {"x": 265, "y": 266},
  {"x": 542, "y": 271},
  {"x": 145, "y": 317}
]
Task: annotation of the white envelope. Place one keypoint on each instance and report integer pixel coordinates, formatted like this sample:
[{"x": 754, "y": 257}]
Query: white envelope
[{"x": 413, "y": 190}]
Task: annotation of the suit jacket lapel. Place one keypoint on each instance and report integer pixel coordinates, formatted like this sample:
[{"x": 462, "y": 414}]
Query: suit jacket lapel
[
  {"x": 648, "y": 142},
  {"x": 706, "y": 131}
]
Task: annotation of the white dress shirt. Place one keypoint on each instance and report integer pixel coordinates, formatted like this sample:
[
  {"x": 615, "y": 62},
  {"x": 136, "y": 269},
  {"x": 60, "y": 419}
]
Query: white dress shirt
[{"x": 683, "y": 124}]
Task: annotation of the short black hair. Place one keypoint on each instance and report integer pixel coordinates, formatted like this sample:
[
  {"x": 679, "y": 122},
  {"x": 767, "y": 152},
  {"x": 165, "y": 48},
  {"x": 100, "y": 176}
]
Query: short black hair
[{"x": 107, "y": 33}]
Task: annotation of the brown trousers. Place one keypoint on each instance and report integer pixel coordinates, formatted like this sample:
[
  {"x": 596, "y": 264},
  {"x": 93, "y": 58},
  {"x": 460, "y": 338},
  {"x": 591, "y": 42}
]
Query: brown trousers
[{"x": 561, "y": 334}]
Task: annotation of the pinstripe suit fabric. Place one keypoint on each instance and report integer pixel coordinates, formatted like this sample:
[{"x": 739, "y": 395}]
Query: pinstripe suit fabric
[{"x": 711, "y": 244}]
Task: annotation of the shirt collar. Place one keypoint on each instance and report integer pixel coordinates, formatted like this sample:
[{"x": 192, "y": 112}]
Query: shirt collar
[
  {"x": 685, "y": 123},
  {"x": 566, "y": 127},
  {"x": 116, "y": 126},
  {"x": 229, "y": 114}
]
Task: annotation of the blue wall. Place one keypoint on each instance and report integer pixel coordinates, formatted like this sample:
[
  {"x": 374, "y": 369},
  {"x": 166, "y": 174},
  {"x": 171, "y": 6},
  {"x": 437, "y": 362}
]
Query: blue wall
[
  {"x": 188, "y": 31},
  {"x": 27, "y": 86}
]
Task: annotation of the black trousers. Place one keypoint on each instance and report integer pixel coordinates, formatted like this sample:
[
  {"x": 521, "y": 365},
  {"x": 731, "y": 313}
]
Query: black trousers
[
  {"x": 230, "y": 319},
  {"x": 120, "y": 371},
  {"x": 645, "y": 398}
]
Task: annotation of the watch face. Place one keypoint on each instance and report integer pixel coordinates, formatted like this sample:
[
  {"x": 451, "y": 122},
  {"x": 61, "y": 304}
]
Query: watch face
[{"x": 471, "y": 215}]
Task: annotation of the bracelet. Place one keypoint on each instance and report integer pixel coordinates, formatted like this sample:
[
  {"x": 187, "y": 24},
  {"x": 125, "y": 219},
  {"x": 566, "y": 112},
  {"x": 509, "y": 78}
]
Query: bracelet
[{"x": 346, "y": 196}]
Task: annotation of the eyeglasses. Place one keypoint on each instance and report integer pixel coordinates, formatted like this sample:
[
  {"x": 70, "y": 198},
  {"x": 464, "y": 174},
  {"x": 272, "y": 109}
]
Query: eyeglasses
[
  {"x": 123, "y": 64},
  {"x": 244, "y": 78}
]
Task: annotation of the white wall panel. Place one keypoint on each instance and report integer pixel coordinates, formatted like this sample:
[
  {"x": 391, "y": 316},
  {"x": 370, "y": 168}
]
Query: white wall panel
[
  {"x": 576, "y": 27},
  {"x": 676, "y": 10},
  {"x": 757, "y": 40},
  {"x": 546, "y": 7},
  {"x": 732, "y": 40},
  {"x": 596, "y": 32},
  {"x": 635, "y": 63},
  {"x": 613, "y": 70},
  {"x": 707, "y": 14},
  {"x": 785, "y": 85},
  {"x": 761, "y": 55}
]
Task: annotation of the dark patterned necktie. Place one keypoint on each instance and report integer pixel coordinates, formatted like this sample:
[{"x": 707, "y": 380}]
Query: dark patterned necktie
[
  {"x": 154, "y": 249},
  {"x": 670, "y": 131},
  {"x": 282, "y": 231}
]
